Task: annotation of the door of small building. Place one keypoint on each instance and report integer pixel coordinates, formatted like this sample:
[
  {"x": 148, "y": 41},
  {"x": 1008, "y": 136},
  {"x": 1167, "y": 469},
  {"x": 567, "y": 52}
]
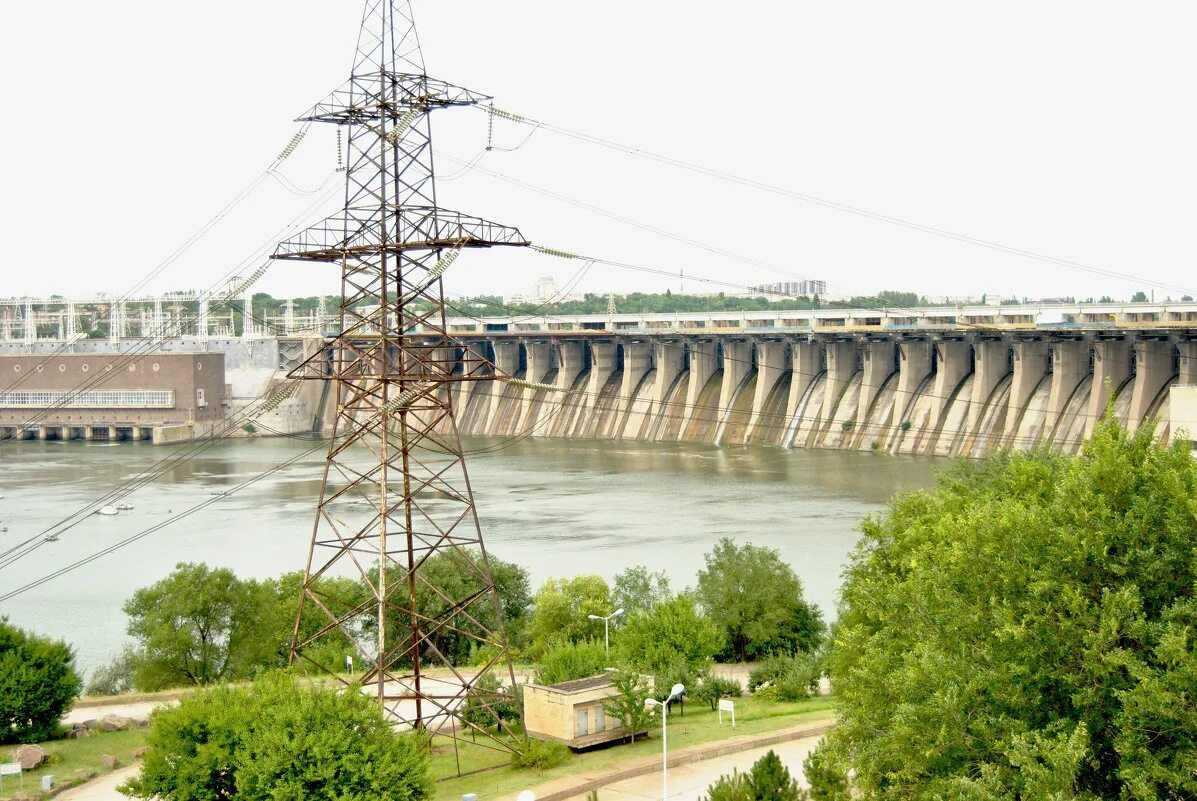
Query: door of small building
[{"x": 582, "y": 720}]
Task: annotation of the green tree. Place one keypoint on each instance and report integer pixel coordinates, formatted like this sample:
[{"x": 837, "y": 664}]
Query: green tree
[
  {"x": 1139, "y": 297},
  {"x": 38, "y": 683},
  {"x": 201, "y": 625},
  {"x": 672, "y": 634},
  {"x": 454, "y": 575},
  {"x": 338, "y": 595},
  {"x": 638, "y": 589},
  {"x": 561, "y": 609},
  {"x": 116, "y": 676},
  {"x": 770, "y": 780},
  {"x": 488, "y": 704},
  {"x": 1027, "y": 630},
  {"x": 627, "y": 706},
  {"x": 281, "y": 741},
  {"x": 757, "y": 601}
]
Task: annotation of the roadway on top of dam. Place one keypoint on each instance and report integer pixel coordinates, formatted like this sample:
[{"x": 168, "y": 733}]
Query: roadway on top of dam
[{"x": 1096, "y": 319}]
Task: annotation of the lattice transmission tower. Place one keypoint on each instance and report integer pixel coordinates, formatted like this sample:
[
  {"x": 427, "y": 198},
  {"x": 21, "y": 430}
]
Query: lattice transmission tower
[{"x": 395, "y": 492}]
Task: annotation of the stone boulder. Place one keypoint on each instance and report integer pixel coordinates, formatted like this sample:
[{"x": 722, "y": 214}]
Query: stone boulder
[
  {"x": 109, "y": 761},
  {"x": 31, "y": 757},
  {"x": 140, "y": 752},
  {"x": 141, "y": 723},
  {"x": 78, "y": 734},
  {"x": 91, "y": 723},
  {"x": 81, "y": 775},
  {"x": 115, "y": 723}
]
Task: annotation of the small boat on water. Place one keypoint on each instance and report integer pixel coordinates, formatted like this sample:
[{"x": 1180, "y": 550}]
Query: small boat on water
[
  {"x": 51, "y": 538},
  {"x": 3, "y": 529},
  {"x": 124, "y": 507},
  {"x": 107, "y": 511}
]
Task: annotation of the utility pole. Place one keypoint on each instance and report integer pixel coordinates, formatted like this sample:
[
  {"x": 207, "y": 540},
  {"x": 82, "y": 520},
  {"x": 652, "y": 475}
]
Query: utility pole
[{"x": 395, "y": 491}]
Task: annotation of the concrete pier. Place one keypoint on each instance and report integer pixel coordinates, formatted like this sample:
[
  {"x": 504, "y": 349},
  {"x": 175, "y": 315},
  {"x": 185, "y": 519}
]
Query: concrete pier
[
  {"x": 877, "y": 367},
  {"x": 1153, "y": 371},
  {"x": 953, "y": 363},
  {"x": 991, "y": 363},
  {"x": 914, "y": 366},
  {"x": 1111, "y": 369},
  {"x": 1030, "y": 365}
]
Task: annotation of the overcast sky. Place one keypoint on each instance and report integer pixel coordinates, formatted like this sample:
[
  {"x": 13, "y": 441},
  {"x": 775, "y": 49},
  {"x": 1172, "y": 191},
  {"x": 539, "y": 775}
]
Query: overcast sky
[{"x": 1063, "y": 128}]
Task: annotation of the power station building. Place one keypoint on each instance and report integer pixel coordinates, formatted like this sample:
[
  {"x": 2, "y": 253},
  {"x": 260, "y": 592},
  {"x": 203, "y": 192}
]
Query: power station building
[{"x": 164, "y": 396}]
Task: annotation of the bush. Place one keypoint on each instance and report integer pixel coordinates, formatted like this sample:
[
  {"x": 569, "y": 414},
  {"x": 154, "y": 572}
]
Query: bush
[
  {"x": 627, "y": 706},
  {"x": 792, "y": 677},
  {"x": 278, "y": 740},
  {"x": 488, "y": 703},
  {"x": 38, "y": 682},
  {"x": 540, "y": 754},
  {"x": 572, "y": 661},
  {"x": 769, "y": 780},
  {"x": 713, "y": 687},
  {"x": 114, "y": 677}
]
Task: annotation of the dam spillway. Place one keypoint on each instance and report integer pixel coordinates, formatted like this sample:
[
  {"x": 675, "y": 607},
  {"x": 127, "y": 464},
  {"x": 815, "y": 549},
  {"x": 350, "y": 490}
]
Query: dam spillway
[{"x": 956, "y": 394}]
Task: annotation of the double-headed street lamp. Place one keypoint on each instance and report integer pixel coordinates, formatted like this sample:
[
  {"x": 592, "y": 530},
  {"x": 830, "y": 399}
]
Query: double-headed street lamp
[
  {"x": 676, "y": 692},
  {"x": 606, "y": 627}
]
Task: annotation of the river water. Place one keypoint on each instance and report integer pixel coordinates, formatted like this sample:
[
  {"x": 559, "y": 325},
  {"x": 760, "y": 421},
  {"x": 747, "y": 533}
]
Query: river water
[{"x": 557, "y": 507}]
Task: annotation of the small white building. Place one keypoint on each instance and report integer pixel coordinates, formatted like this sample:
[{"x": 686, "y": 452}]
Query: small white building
[{"x": 572, "y": 712}]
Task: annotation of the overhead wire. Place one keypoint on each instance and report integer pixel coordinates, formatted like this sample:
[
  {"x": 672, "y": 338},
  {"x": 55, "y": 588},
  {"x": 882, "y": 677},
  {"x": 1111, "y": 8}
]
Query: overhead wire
[{"x": 835, "y": 205}]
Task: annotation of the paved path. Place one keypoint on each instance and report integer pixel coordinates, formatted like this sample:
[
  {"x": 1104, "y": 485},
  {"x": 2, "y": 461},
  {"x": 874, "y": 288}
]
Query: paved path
[
  {"x": 690, "y": 782},
  {"x": 103, "y": 788}
]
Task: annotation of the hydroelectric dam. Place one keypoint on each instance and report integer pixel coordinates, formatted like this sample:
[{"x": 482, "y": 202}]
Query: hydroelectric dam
[{"x": 946, "y": 381}]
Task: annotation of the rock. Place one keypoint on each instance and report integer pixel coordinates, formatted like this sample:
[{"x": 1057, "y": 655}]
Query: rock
[
  {"x": 141, "y": 723},
  {"x": 115, "y": 723},
  {"x": 109, "y": 761},
  {"x": 140, "y": 752},
  {"x": 78, "y": 734},
  {"x": 81, "y": 775},
  {"x": 31, "y": 757},
  {"x": 91, "y": 723}
]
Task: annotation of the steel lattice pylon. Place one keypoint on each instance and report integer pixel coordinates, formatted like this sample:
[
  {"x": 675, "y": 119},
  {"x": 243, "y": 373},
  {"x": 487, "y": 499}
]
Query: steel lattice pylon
[{"x": 395, "y": 491}]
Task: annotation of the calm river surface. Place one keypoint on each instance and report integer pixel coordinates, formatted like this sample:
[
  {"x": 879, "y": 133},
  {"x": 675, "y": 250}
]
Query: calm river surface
[{"x": 560, "y": 508}]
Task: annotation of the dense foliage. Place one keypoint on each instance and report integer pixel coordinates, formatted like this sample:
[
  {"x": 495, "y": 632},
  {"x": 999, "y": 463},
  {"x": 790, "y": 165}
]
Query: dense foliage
[
  {"x": 281, "y": 741},
  {"x": 572, "y": 660},
  {"x": 638, "y": 589},
  {"x": 791, "y": 678},
  {"x": 540, "y": 754},
  {"x": 561, "y": 610},
  {"x": 756, "y": 599},
  {"x": 38, "y": 683},
  {"x": 1027, "y": 630},
  {"x": 489, "y": 704},
  {"x": 201, "y": 625},
  {"x": 672, "y": 641}
]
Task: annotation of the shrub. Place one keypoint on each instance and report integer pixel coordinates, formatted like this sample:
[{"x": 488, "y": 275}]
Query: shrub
[
  {"x": 572, "y": 661},
  {"x": 729, "y": 788},
  {"x": 540, "y": 754},
  {"x": 792, "y": 677},
  {"x": 115, "y": 676},
  {"x": 38, "y": 682},
  {"x": 713, "y": 687},
  {"x": 278, "y": 740},
  {"x": 488, "y": 703},
  {"x": 768, "y": 780}
]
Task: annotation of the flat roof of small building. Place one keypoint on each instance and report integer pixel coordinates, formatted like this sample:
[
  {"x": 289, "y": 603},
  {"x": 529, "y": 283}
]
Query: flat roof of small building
[{"x": 578, "y": 685}]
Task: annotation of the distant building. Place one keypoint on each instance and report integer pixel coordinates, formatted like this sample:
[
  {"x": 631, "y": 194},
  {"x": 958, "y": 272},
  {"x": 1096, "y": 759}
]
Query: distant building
[
  {"x": 109, "y": 395},
  {"x": 792, "y": 289},
  {"x": 546, "y": 287}
]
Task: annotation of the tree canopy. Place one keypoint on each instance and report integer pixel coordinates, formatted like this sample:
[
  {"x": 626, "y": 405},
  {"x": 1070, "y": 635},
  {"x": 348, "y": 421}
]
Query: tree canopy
[
  {"x": 561, "y": 609},
  {"x": 38, "y": 684},
  {"x": 638, "y": 589},
  {"x": 672, "y": 637},
  {"x": 281, "y": 741},
  {"x": 757, "y": 600},
  {"x": 201, "y": 625},
  {"x": 1026, "y": 630}
]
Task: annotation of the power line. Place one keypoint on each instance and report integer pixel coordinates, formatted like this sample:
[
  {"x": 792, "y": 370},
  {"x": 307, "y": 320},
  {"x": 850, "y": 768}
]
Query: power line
[{"x": 837, "y": 206}]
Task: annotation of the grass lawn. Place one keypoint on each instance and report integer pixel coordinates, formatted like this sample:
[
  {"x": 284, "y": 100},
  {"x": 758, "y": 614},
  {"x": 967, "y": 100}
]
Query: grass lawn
[
  {"x": 67, "y": 756},
  {"x": 698, "y": 725}
]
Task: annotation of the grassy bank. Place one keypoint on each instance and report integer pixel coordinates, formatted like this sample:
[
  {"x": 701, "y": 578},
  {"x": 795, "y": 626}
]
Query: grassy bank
[
  {"x": 69, "y": 756},
  {"x": 699, "y": 725}
]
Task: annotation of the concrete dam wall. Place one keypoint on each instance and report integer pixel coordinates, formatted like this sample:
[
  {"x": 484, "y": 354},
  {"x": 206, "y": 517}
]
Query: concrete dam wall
[{"x": 963, "y": 397}]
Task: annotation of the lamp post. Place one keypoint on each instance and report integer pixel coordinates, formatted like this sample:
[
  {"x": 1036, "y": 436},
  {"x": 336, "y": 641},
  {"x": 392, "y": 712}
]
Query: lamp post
[
  {"x": 676, "y": 692},
  {"x": 606, "y": 627}
]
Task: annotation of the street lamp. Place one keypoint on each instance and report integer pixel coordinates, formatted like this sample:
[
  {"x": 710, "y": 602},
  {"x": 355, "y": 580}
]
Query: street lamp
[
  {"x": 676, "y": 692},
  {"x": 606, "y": 627}
]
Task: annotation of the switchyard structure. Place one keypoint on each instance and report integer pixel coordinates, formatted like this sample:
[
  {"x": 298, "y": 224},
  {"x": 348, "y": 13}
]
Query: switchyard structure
[{"x": 396, "y": 493}]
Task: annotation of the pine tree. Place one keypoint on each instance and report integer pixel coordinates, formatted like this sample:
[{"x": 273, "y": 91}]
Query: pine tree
[{"x": 769, "y": 780}]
